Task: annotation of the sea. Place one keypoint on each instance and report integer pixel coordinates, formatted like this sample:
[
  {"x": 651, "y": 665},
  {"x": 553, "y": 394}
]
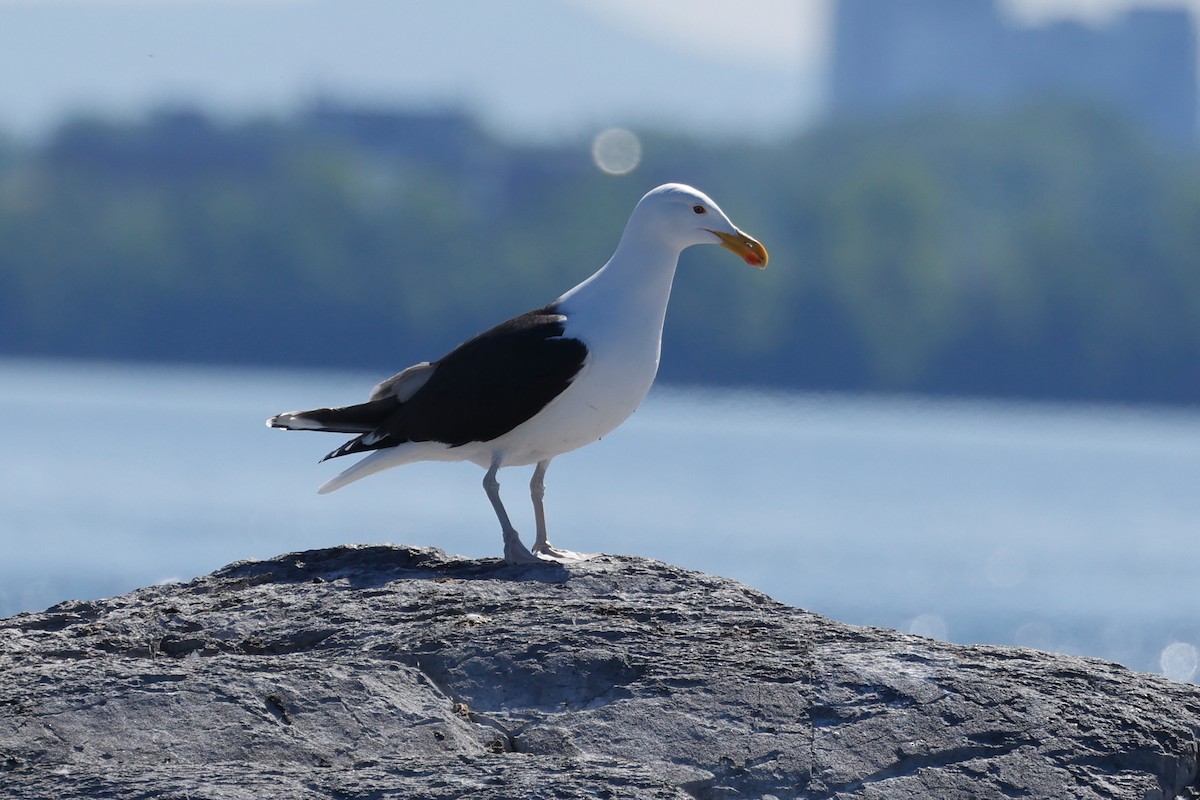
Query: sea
[{"x": 1069, "y": 528}]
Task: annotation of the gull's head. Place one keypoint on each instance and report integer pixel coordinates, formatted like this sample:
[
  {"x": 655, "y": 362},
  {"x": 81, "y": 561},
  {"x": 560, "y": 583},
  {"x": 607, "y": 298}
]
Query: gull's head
[{"x": 684, "y": 216}]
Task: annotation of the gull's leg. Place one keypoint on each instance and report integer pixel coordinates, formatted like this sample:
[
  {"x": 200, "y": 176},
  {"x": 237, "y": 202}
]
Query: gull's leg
[
  {"x": 541, "y": 545},
  {"x": 537, "y": 490},
  {"x": 514, "y": 551}
]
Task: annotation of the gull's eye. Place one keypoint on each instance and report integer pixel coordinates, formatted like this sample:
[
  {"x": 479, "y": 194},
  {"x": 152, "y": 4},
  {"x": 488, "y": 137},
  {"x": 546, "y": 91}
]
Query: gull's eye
[{"x": 699, "y": 209}]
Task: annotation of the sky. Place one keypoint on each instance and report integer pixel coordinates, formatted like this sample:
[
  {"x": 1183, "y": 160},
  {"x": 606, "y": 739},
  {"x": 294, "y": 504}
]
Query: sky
[{"x": 530, "y": 69}]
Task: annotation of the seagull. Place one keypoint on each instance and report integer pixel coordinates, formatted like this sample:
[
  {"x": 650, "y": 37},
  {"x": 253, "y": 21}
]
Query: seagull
[{"x": 543, "y": 383}]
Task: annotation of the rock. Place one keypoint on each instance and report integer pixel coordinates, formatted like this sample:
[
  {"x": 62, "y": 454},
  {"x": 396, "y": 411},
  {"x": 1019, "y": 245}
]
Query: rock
[{"x": 360, "y": 672}]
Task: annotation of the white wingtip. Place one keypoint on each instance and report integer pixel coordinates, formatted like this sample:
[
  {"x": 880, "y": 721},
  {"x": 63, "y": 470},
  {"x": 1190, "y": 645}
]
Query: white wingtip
[{"x": 294, "y": 421}]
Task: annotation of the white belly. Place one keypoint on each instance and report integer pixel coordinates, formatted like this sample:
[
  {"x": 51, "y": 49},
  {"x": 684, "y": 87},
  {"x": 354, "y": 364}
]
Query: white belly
[
  {"x": 612, "y": 384},
  {"x": 609, "y": 388}
]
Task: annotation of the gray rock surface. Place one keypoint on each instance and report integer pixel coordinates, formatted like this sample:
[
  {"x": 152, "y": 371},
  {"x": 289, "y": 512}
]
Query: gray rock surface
[{"x": 389, "y": 672}]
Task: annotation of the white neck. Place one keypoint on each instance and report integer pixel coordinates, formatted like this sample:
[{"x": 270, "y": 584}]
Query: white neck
[{"x": 635, "y": 284}]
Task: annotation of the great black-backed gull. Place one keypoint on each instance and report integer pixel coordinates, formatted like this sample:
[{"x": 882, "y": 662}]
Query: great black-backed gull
[{"x": 543, "y": 383}]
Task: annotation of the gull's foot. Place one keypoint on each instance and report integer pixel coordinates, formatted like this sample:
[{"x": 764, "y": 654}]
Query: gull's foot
[
  {"x": 549, "y": 551},
  {"x": 515, "y": 552}
]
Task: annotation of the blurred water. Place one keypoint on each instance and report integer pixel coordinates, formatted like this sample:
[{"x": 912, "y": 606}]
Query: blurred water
[{"x": 1064, "y": 528}]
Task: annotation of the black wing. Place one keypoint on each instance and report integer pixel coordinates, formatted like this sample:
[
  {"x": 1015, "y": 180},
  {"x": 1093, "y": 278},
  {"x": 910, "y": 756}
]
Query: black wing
[{"x": 485, "y": 387}]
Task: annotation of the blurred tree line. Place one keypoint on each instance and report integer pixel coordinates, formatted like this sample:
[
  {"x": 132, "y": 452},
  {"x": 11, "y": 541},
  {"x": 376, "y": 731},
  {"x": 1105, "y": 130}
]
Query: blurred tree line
[{"x": 1051, "y": 253}]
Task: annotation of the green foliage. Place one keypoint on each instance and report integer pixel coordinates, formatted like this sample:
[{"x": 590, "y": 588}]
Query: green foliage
[{"x": 1052, "y": 252}]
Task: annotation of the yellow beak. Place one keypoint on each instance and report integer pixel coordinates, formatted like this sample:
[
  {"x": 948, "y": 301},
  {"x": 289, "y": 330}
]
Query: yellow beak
[{"x": 747, "y": 247}]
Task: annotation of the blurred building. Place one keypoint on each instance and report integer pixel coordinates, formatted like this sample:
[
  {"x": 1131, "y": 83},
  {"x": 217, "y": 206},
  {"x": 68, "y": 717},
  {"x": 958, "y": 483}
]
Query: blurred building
[{"x": 893, "y": 55}]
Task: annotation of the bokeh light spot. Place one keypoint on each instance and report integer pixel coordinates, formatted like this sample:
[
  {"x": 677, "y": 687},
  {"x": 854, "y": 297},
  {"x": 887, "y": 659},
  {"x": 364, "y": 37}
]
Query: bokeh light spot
[
  {"x": 1179, "y": 661},
  {"x": 616, "y": 151}
]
